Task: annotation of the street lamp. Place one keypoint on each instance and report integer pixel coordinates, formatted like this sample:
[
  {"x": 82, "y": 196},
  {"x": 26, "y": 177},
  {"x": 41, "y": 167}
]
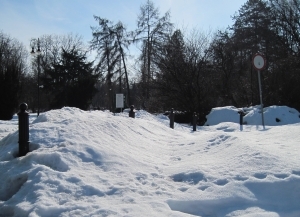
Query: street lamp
[{"x": 35, "y": 43}]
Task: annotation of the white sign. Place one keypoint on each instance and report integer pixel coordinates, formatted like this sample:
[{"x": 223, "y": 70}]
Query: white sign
[
  {"x": 259, "y": 61},
  {"x": 119, "y": 100}
]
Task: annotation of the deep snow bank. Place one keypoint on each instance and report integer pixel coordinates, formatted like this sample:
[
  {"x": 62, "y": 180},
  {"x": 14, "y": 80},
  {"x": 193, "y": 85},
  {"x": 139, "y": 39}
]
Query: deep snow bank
[
  {"x": 98, "y": 164},
  {"x": 273, "y": 115}
]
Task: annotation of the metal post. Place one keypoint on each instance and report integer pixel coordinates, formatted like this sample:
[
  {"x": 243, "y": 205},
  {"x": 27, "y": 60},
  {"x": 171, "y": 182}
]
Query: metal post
[
  {"x": 194, "y": 121},
  {"x": 33, "y": 44},
  {"x": 261, "y": 102},
  {"x": 241, "y": 116},
  {"x": 23, "y": 116},
  {"x": 39, "y": 69},
  {"x": 132, "y": 112},
  {"x": 171, "y": 116}
]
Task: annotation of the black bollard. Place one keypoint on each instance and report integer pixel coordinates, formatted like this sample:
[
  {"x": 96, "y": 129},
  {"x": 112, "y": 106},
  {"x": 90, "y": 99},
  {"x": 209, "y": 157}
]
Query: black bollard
[
  {"x": 194, "y": 121},
  {"x": 171, "y": 116},
  {"x": 23, "y": 130},
  {"x": 132, "y": 112},
  {"x": 241, "y": 116}
]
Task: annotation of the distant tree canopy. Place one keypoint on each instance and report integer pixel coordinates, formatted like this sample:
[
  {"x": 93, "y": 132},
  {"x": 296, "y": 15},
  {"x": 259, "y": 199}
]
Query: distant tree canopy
[
  {"x": 193, "y": 77},
  {"x": 190, "y": 71},
  {"x": 12, "y": 69}
]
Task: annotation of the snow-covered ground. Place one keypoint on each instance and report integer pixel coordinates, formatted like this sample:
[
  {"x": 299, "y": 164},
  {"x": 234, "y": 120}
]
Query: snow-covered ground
[{"x": 94, "y": 163}]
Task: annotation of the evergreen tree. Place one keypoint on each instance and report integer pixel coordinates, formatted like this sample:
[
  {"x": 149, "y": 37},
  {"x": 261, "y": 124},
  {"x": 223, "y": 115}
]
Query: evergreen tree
[
  {"x": 71, "y": 81},
  {"x": 285, "y": 71},
  {"x": 286, "y": 14},
  {"x": 170, "y": 80},
  {"x": 253, "y": 31},
  {"x": 51, "y": 48},
  {"x": 185, "y": 80}
]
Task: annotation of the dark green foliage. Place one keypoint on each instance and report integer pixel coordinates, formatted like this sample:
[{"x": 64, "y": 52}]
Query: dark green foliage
[
  {"x": 175, "y": 69},
  {"x": 71, "y": 82},
  {"x": 186, "y": 75},
  {"x": 268, "y": 27},
  {"x": 9, "y": 86},
  {"x": 28, "y": 92},
  {"x": 12, "y": 67},
  {"x": 192, "y": 79}
]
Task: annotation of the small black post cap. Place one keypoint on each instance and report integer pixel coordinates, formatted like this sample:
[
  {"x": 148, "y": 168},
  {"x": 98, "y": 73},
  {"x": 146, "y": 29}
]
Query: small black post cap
[
  {"x": 23, "y": 106},
  {"x": 132, "y": 112},
  {"x": 242, "y": 113}
]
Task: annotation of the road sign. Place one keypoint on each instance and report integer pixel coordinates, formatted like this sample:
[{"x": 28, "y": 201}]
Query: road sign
[{"x": 259, "y": 62}]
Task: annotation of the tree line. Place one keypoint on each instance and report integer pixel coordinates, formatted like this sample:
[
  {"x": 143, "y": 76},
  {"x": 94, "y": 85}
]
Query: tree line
[{"x": 190, "y": 71}]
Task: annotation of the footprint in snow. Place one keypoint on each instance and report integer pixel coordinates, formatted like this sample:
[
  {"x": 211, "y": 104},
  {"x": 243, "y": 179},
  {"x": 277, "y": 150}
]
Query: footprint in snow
[
  {"x": 260, "y": 175},
  {"x": 203, "y": 188},
  {"x": 295, "y": 172},
  {"x": 281, "y": 176},
  {"x": 221, "y": 182},
  {"x": 240, "y": 178}
]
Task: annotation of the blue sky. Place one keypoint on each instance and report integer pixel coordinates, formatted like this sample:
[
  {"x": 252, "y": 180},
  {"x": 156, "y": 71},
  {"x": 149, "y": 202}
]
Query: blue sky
[{"x": 26, "y": 19}]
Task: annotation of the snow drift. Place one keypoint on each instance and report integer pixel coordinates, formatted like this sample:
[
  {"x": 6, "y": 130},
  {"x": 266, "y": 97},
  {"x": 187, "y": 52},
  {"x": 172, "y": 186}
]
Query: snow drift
[{"x": 94, "y": 163}]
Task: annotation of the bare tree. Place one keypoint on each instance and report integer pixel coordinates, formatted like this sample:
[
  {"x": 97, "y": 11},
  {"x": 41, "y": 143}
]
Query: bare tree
[
  {"x": 152, "y": 31},
  {"x": 110, "y": 40},
  {"x": 12, "y": 68}
]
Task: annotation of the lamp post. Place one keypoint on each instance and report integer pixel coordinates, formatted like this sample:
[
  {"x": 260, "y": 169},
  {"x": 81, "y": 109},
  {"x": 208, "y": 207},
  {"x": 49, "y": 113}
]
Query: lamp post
[{"x": 35, "y": 44}]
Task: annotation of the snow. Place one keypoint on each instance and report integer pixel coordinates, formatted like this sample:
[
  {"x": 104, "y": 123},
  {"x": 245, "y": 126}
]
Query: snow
[
  {"x": 273, "y": 115},
  {"x": 95, "y": 163}
]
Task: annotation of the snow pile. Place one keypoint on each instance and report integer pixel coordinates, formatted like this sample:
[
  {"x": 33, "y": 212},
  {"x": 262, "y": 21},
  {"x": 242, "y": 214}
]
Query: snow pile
[
  {"x": 7, "y": 127},
  {"x": 222, "y": 114},
  {"x": 273, "y": 115},
  {"x": 99, "y": 164}
]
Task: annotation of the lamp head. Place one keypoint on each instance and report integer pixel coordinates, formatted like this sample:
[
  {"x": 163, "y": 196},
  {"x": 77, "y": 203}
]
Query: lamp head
[
  {"x": 38, "y": 46},
  {"x": 32, "y": 51},
  {"x": 35, "y": 44}
]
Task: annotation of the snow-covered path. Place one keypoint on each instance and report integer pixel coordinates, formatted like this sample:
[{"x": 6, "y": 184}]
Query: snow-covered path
[{"x": 97, "y": 164}]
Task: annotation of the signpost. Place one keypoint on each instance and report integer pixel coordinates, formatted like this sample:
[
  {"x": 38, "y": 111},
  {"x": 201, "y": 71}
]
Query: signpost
[
  {"x": 120, "y": 100},
  {"x": 259, "y": 63}
]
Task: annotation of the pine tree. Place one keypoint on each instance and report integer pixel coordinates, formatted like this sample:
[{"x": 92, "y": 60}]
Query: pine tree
[{"x": 71, "y": 81}]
